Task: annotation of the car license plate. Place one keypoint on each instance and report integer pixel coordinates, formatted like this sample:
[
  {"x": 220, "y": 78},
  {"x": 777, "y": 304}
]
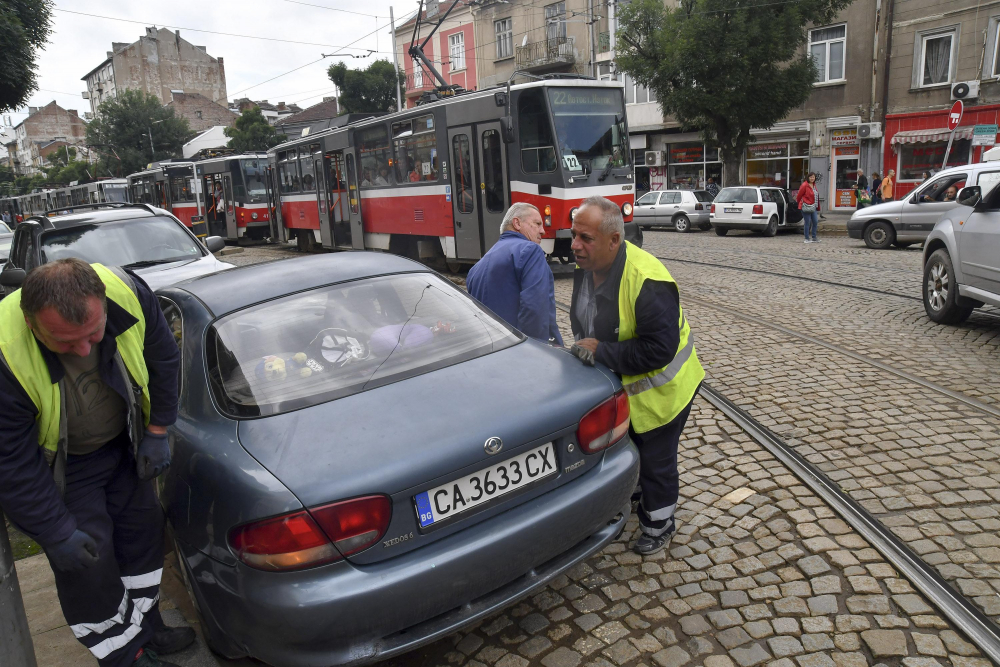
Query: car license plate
[
  {"x": 447, "y": 500},
  {"x": 733, "y": 210}
]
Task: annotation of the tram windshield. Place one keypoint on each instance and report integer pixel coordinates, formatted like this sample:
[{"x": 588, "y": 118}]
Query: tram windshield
[
  {"x": 253, "y": 174},
  {"x": 590, "y": 128}
]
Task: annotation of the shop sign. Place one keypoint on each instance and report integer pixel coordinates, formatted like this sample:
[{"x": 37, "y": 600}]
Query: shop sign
[
  {"x": 984, "y": 135},
  {"x": 686, "y": 153},
  {"x": 844, "y": 137},
  {"x": 846, "y": 199},
  {"x": 762, "y": 151},
  {"x": 847, "y": 150}
]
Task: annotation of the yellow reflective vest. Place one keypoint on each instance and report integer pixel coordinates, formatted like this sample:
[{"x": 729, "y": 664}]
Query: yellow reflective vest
[
  {"x": 23, "y": 357},
  {"x": 657, "y": 397}
]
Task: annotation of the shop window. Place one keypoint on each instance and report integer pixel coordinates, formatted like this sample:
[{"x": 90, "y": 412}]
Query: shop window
[
  {"x": 288, "y": 172},
  {"x": 538, "y": 152},
  {"x": 915, "y": 159},
  {"x": 415, "y": 144},
  {"x": 555, "y": 21},
  {"x": 827, "y": 48},
  {"x": 456, "y": 49},
  {"x": 462, "y": 165},
  {"x": 935, "y": 57},
  {"x": 504, "y": 31},
  {"x": 374, "y": 156}
]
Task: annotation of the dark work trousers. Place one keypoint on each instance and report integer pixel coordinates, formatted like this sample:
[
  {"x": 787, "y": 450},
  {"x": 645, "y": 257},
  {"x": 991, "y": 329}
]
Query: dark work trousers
[
  {"x": 658, "y": 477},
  {"x": 113, "y": 606}
]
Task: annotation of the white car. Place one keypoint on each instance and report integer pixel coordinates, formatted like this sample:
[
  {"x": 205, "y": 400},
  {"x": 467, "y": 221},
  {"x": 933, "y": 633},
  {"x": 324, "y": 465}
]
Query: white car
[{"x": 764, "y": 210}]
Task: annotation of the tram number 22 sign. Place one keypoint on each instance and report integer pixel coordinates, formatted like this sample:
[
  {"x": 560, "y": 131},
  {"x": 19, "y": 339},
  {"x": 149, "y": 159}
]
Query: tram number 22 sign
[{"x": 570, "y": 163}]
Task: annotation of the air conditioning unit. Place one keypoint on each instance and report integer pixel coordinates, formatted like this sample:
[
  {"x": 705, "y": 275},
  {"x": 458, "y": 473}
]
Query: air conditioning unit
[
  {"x": 654, "y": 158},
  {"x": 869, "y": 130},
  {"x": 965, "y": 90}
]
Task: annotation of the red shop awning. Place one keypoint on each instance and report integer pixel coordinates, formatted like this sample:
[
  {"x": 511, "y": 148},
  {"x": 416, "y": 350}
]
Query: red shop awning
[{"x": 921, "y": 136}]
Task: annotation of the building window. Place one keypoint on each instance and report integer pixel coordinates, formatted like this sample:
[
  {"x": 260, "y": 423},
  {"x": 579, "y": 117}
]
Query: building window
[
  {"x": 996, "y": 49},
  {"x": 555, "y": 21},
  {"x": 636, "y": 93},
  {"x": 935, "y": 58},
  {"x": 827, "y": 46},
  {"x": 456, "y": 48},
  {"x": 504, "y": 38}
]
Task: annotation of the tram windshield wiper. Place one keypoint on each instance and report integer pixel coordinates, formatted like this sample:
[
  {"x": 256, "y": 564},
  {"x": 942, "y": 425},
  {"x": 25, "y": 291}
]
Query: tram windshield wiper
[{"x": 607, "y": 170}]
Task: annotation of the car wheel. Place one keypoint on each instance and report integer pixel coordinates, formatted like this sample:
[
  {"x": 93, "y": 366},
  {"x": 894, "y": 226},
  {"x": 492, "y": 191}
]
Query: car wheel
[
  {"x": 705, "y": 226},
  {"x": 682, "y": 223},
  {"x": 879, "y": 235},
  {"x": 772, "y": 226},
  {"x": 721, "y": 231},
  {"x": 941, "y": 291}
]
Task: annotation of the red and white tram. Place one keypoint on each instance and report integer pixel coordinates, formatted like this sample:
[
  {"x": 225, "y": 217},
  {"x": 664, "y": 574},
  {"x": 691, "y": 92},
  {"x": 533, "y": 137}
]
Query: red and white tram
[
  {"x": 168, "y": 185},
  {"x": 233, "y": 196},
  {"x": 435, "y": 181}
]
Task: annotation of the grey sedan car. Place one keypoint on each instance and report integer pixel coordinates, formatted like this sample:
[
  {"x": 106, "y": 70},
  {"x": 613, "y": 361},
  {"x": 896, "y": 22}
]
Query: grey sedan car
[
  {"x": 680, "y": 209},
  {"x": 367, "y": 460}
]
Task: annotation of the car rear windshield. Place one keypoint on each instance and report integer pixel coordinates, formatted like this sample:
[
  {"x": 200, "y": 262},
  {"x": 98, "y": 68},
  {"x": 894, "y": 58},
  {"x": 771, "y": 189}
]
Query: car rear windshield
[
  {"x": 737, "y": 196},
  {"x": 703, "y": 195},
  {"x": 336, "y": 341},
  {"x": 135, "y": 242}
]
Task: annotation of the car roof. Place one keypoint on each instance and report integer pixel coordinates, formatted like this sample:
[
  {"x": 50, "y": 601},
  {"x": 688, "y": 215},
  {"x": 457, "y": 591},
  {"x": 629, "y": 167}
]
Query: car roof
[
  {"x": 94, "y": 216},
  {"x": 233, "y": 289}
]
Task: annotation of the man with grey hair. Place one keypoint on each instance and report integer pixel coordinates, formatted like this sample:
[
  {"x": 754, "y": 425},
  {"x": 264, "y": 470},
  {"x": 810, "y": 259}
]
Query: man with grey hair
[
  {"x": 88, "y": 375},
  {"x": 626, "y": 314},
  {"x": 513, "y": 279}
]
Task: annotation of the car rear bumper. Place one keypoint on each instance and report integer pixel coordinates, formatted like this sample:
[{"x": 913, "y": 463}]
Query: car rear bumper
[{"x": 346, "y": 614}]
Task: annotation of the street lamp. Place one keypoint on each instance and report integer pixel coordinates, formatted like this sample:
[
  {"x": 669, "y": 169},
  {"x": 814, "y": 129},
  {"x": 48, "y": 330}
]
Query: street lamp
[{"x": 152, "y": 153}]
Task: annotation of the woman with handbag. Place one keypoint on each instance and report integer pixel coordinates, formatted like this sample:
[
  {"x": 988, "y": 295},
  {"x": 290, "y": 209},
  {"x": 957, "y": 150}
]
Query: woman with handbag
[{"x": 808, "y": 199}]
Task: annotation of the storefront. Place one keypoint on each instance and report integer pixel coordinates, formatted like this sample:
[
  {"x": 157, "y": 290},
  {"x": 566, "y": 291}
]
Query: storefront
[
  {"x": 846, "y": 156},
  {"x": 915, "y": 143},
  {"x": 690, "y": 165},
  {"x": 781, "y": 164}
]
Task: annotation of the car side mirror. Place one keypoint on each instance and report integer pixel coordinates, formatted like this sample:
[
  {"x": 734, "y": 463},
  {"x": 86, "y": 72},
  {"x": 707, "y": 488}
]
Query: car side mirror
[
  {"x": 970, "y": 195},
  {"x": 215, "y": 243},
  {"x": 12, "y": 277}
]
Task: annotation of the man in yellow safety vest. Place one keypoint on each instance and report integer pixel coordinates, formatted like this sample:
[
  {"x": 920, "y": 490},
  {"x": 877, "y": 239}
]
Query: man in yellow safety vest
[{"x": 626, "y": 314}]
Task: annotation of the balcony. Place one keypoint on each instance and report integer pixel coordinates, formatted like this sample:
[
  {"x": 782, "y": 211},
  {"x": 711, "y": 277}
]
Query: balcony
[
  {"x": 423, "y": 83},
  {"x": 548, "y": 54}
]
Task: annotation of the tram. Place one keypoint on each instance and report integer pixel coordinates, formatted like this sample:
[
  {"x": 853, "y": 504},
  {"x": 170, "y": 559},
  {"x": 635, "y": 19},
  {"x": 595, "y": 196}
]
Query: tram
[
  {"x": 168, "y": 185},
  {"x": 434, "y": 181},
  {"x": 233, "y": 196},
  {"x": 37, "y": 203}
]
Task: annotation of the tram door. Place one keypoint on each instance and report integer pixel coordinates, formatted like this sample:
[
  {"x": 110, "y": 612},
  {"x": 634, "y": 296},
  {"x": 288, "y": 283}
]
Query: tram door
[
  {"x": 229, "y": 210},
  {"x": 273, "y": 209},
  {"x": 493, "y": 183},
  {"x": 464, "y": 184},
  {"x": 355, "y": 232},
  {"x": 338, "y": 207}
]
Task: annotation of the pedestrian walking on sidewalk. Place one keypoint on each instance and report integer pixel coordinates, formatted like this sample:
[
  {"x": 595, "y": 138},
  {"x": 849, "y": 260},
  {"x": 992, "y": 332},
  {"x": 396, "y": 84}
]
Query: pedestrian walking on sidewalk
[
  {"x": 887, "y": 185},
  {"x": 808, "y": 200},
  {"x": 513, "y": 279},
  {"x": 875, "y": 190},
  {"x": 88, "y": 372},
  {"x": 626, "y": 314},
  {"x": 861, "y": 190}
]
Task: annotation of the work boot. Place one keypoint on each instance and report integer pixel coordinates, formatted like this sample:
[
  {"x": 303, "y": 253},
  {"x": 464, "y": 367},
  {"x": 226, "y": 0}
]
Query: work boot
[
  {"x": 147, "y": 658},
  {"x": 647, "y": 545},
  {"x": 167, "y": 640}
]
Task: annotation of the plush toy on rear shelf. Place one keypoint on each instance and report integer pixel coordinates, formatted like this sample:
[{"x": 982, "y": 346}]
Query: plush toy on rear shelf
[
  {"x": 271, "y": 368},
  {"x": 306, "y": 365}
]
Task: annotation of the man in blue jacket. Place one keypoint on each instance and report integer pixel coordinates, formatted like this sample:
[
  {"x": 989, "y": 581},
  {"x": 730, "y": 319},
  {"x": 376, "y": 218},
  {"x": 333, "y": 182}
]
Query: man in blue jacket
[{"x": 513, "y": 279}]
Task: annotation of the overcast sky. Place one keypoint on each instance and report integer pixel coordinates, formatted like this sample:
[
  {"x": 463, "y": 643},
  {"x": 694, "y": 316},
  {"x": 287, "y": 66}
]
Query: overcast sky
[{"x": 79, "y": 43}]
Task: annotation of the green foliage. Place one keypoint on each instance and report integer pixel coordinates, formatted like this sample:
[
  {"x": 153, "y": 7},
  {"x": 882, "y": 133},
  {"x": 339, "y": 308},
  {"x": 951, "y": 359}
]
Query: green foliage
[
  {"x": 119, "y": 132},
  {"x": 252, "y": 133},
  {"x": 25, "y": 184},
  {"x": 723, "y": 66},
  {"x": 366, "y": 90},
  {"x": 24, "y": 28}
]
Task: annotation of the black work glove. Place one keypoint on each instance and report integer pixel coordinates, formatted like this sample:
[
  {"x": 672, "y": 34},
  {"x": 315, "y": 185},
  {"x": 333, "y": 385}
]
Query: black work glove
[
  {"x": 74, "y": 554},
  {"x": 153, "y": 456},
  {"x": 583, "y": 354}
]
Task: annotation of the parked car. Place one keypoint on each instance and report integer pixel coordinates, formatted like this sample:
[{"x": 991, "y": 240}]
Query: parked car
[
  {"x": 679, "y": 209},
  {"x": 6, "y": 236},
  {"x": 909, "y": 220},
  {"x": 764, "y": 210},
  {"x": 344, "y": 487},
  {"x": 136, "y": 236},
  {"x": 962, "y": 257}
]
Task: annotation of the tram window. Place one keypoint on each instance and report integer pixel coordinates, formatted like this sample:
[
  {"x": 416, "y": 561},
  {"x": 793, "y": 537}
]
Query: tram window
[
  {"x": 353, "y": 194},
  {"x": 253, "y": 173},
  {"x": 288, "y": 172},
  {"x": 590, "y": 125},
  {"x": 180, "y": 189},
  {"x": 308, "y": 168},
  {"x": 493, "y": 171},
  {"x": 462, "y": 164},
  {"x": 374, "y": 156},
  {"x": 415, "y": 144},
  {"x": 538, "y": 152}
]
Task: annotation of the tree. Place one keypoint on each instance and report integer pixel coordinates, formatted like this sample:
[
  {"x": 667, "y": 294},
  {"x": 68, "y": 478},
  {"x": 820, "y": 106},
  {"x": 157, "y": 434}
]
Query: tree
[
  {"x": 723, "y": 66},
  {"x": 24, "y": 28},
  {"x": 366, "y": 90},
  {"x": 120, "y": 132},
  {"x": 252, "y": 132},
  {"x": 63, "y": 168}
]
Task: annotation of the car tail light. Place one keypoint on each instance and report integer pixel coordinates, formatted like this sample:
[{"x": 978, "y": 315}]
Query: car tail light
[
  {"x": 712, "y": 210},
  {"x": 604, "y": 425},
  {"x": 758, "y": 209},
  {"x": 290, "y": 542},
  {"x": 699, "y": 207},
  {"x": 312, "y": 537},
  {"x": 354, "y": 525}
]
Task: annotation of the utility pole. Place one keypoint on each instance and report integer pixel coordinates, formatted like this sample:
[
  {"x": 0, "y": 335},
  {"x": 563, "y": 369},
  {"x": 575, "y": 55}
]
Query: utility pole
[
  {"x": 395, "y": 65},
  {"x": 15, "y": 638}
]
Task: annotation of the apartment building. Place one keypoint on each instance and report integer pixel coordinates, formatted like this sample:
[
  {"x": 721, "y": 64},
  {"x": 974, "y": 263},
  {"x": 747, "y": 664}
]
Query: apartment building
[
  {"x": 452, "y": 50},
  {"x": 42, "y": 127}
]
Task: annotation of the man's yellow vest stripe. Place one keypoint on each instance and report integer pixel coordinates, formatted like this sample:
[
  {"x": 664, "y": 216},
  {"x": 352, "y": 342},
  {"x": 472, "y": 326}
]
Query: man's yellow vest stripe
[
  {"x": 657, "y": 397},
  {"x": 24, "y": 358}
]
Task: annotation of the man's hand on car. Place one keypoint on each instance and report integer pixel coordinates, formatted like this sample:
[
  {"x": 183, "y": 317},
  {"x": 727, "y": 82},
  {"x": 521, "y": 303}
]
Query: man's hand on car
[
  {"x": 584, "y": 350},
  {"x": 153, "y": 454}
]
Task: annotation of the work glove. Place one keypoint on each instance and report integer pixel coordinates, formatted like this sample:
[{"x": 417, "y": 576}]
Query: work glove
[
  {"x": 583, "y": 354},
  {"x": 74, "y": 554},
  {"x": 153, "y": 456}
]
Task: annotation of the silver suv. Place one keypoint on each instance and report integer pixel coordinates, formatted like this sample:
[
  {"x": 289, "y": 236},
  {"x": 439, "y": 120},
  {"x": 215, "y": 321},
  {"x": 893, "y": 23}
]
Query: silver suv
[
  {"x": 909, "y": 220},
  {"x": 679, "y": 209},
  {"x": 962, "y": 257}
]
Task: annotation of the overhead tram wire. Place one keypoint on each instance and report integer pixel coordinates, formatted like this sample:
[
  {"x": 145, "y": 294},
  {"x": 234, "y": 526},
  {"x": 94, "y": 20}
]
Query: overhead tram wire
[{"x": 333, "y": 9}]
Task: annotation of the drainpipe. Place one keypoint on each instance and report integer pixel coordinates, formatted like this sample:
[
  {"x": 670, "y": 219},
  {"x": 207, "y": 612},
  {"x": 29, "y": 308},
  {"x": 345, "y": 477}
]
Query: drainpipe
[
  {"x": 15, "y": 638},
  {"x": 885, "y": 75}
]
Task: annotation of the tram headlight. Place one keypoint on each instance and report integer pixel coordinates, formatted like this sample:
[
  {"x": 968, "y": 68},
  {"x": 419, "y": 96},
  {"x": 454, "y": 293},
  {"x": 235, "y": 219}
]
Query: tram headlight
[
  {"x": 626, "y": 209},
  {"x": 548, "y": 216},
  {"x": 572, "y": 213},
  {"x": 253, "y": 216}
]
